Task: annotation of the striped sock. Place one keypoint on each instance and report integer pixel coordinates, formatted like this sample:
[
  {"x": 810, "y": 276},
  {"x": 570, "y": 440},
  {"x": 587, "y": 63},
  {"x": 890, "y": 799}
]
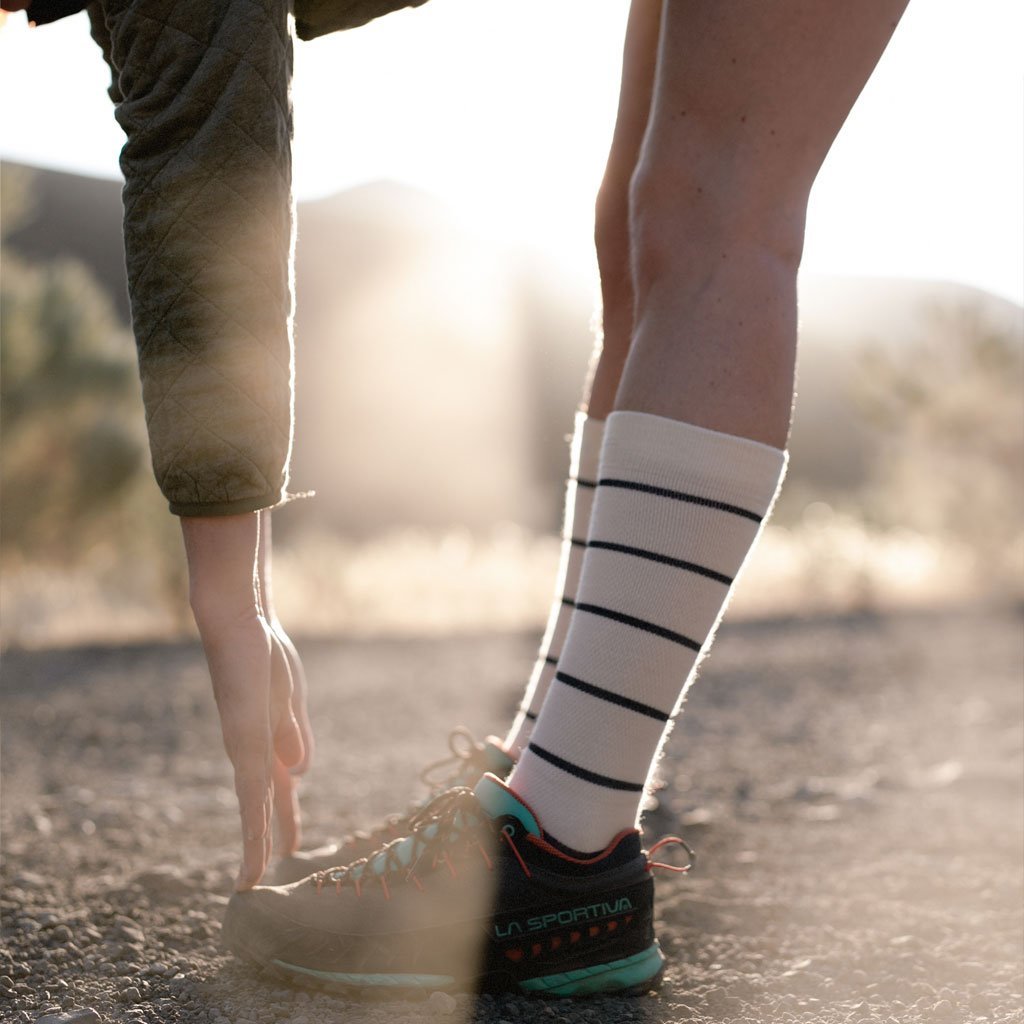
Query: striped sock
[
  {"x": 579, "y": 497},
  {"x": 676, "y": 510}
]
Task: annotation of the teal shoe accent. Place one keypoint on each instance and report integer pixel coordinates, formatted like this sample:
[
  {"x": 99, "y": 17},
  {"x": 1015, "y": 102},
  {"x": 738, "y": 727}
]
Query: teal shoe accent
[
  {"x": 611, "y": 977},
  {"x": 420, "y": 981},
  {"x": 498, "y": 761},
  {"x": 498, "y": 800}
]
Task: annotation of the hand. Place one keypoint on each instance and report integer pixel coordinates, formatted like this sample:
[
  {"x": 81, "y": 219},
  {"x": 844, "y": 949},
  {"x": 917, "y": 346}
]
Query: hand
[
  {"x": 252, "y": 683},
  {"x": 286, "y": 662}
]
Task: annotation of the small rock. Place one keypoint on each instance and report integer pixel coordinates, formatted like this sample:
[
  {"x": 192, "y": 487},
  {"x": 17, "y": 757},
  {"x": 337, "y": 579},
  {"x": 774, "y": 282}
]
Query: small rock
[
  {"x": 164, "y": 884},
  {"x": 29, "y": 880},
  {"x": 441, "y": 1003},
  {"x": 130, "y": 995},
  {"x": 86, "y": 1016},
  {"x": 129, "y": 933}
]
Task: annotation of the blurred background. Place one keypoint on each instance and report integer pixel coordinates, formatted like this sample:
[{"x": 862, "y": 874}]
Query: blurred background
[{"x": 446, "y": 161}]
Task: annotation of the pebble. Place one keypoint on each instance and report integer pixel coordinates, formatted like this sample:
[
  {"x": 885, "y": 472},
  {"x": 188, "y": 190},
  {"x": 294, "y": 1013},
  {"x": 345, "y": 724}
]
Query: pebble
[
  {"x": 441, "y": 1003},
  {"x": 86, "y": 1016},
  {"x": 164, "y": 883},
  {"x": 29, "y": 880}
]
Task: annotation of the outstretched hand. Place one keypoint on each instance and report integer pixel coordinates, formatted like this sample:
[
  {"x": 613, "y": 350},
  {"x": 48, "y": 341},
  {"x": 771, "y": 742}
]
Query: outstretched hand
[{"x": 259, "y": 704}]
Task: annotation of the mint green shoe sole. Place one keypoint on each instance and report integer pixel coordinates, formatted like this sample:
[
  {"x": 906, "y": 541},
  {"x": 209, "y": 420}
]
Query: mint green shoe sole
[{"x": 633, "y": 975}]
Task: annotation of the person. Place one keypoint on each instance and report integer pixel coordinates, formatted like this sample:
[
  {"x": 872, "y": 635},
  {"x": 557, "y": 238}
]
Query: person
[
  {"x": 538, "y": 883},
  {"x": 202, "y": 93}
]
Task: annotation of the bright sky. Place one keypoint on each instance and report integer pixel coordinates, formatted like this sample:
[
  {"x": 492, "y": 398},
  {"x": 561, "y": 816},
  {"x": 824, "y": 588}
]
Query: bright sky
[{"x": 504, "y": 109}]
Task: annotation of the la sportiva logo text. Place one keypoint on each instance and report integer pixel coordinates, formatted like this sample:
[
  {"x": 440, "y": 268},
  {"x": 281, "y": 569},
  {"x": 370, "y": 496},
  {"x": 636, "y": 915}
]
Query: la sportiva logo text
[{"x": 591, "y": 912}]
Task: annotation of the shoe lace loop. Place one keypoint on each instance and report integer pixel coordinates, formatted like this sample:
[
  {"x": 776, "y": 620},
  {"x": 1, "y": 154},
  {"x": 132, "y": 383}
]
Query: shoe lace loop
[
  {"x": 464, "y": 751},
  {"x": 669, "y": 841}
]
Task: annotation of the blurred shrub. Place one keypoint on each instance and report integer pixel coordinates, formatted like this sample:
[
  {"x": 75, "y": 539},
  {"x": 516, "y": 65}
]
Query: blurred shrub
[
  {"x": 66, "y": 410},
  {"x": 948, "y": 417},
  {"x": 75, "y": 484}
]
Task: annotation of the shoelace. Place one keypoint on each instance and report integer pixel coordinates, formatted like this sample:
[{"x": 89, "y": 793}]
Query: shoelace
[
  {"x": 450, "y": 822},
  {"x": 668, "y": 841},
  {"x": 465, "y": 753}
]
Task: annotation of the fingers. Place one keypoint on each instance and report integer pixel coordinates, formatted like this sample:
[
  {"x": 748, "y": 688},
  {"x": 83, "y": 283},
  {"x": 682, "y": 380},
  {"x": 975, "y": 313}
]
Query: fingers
[
  {"x": 299, "y": 707},
  {"x": 245, "y": 722},
  {"x": 301, "y": 713},
  {"x": 288, "y": 740},
  {"x": 254, "y": 803},
  {"x": 286, "y": 809},
  {"x": 288, "y": 744}
]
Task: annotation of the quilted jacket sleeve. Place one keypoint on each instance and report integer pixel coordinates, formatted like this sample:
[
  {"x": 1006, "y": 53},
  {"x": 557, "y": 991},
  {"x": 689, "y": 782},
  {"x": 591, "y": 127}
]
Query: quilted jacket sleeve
[
  {"x": 202, "y": 92},
  {"x": 43, "y": 12}
]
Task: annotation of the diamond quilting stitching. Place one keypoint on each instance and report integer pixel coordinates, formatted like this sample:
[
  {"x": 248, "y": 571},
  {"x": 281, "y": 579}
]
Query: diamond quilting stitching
[
  {"x": 174, "y": 201},
  {"x": 201, "y": 425},
  {"x": 273, "y": 287},
  {"x": 197, "y": 352}
]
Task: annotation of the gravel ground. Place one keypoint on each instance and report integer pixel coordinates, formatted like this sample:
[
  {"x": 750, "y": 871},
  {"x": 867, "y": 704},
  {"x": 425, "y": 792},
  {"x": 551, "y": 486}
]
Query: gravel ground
[{"x": 853, "y": 788}]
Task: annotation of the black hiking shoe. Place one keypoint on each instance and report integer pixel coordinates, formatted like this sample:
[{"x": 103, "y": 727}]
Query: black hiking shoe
[{"x": 474, "y": 898}]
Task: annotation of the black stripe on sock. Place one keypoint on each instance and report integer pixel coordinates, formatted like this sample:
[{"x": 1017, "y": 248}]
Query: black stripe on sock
[
  {"x": 647, "y": 627},
  {"x": 568, "y": 602},
  {"x": 612, "y": 698},
  {"x": 582, "y": 773},
  {"x": 653, "y": 556},
  {"x": 531, "y": 715},
  {"x": 549, "y": 660},
  {"x": 578, "y": 542},
  {"x": 590, "y": 484},
  {"x": 692, "y": 499}
]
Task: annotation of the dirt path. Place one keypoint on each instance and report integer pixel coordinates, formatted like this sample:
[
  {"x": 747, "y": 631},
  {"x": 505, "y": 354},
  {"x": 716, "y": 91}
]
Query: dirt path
[{"x": 853, "y": 788}]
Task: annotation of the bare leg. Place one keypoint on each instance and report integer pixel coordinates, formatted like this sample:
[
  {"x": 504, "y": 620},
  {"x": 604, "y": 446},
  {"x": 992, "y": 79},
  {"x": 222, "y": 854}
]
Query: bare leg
[
  {"x": 287, "y": 674},
  {"x": 747, "y": 101},
  {"x": 611, "y": 227},
  {"x": 254, "y": 704}
]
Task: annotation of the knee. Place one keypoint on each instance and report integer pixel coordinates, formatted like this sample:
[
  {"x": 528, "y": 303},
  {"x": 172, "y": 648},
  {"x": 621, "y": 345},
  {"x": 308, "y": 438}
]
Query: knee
[{"x": 699, "y": 202}]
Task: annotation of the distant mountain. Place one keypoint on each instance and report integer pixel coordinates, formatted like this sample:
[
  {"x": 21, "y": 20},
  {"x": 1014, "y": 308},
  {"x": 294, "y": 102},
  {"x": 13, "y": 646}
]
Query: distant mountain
[
  {"x": 73, "y": 216},
  {"x": 842, "y": 310},
  {"x": 437, "y": 373}
]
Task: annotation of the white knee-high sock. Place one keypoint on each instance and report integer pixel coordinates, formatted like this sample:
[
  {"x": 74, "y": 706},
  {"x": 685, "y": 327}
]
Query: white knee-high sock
[
  {"x": 579, "y": 496},
  {"x": 676, "y": 510}
]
